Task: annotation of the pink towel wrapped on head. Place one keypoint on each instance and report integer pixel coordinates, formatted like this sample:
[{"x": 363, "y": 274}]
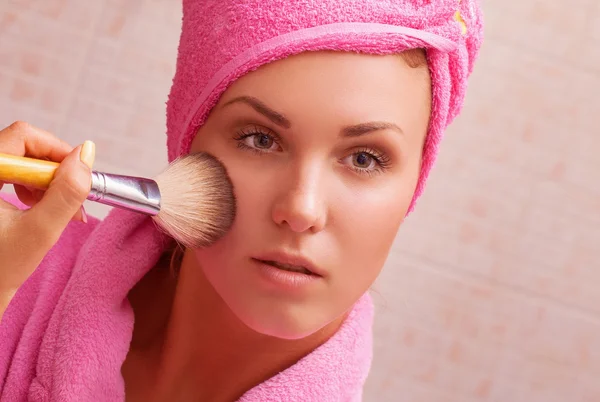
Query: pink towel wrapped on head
[
  {"x": 222, "y": 40},
  {"x": 66, "y": 333}
]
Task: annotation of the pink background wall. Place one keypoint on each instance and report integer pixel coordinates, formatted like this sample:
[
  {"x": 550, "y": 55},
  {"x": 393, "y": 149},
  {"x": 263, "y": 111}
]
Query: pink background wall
[{"x": 491, "y": 292}]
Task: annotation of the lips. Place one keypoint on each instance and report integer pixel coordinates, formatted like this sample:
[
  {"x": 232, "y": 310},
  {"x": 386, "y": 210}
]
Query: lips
[
  {"x": 288, "y": 267},
  {"x": 290, "y": 263}
]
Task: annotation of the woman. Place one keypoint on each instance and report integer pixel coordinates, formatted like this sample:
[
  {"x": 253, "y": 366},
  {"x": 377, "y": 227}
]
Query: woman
[{"x": 327, "y": 116}]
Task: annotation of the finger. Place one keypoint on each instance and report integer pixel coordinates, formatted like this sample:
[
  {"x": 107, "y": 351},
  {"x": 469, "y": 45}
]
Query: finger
[
  {"x": 23, "y": 139},
  {"x": 64, "y": 197},
  {"x": 37, "y": 195},
  {"x": 25, "y": 195},
  {"x": 81, "y": 215},
  {"x": 30, "y": 197}
]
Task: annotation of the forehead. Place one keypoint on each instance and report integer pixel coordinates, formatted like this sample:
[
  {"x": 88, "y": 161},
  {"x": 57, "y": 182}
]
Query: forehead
[{"x": 338, "y": 84}]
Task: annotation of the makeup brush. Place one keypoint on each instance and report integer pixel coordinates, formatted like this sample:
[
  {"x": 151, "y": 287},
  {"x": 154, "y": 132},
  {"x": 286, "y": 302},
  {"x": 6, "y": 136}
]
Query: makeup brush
[{"x": 192, "y": 200}]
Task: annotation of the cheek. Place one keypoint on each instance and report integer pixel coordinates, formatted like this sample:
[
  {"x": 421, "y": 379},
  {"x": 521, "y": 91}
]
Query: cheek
[
  {"x": 250, "y": 175},
  {"x": 252, "y": 191},
  {"x": 367, "y": 227},
  {"x": 373, "y": 228}
]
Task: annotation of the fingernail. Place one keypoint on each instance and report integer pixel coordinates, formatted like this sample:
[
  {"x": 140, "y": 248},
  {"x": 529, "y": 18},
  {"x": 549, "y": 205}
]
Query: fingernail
[
  {"x": 88, "y": 153},
  {"x": 84, "y": 217}
]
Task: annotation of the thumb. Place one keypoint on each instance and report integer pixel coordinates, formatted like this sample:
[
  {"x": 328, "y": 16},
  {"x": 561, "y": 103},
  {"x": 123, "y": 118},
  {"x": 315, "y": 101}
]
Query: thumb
[{"x": 65, "y": 195}]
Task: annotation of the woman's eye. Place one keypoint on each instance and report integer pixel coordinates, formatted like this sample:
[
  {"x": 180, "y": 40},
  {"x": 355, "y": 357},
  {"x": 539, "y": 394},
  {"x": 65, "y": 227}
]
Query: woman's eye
[
  {"x": 259, "y": 142},
  {"x": 368, "y": 161},
  {"x": 262, "y": 141},
  {"x": 363, "y": 160}
]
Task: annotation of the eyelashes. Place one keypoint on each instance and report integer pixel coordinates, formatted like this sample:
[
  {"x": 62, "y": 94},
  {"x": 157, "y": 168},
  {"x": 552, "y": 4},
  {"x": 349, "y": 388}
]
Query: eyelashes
[
  {"x": 375, "y": 160},
  {"x": 362, "y": 160},
  {"x": 259, "y": 140}
]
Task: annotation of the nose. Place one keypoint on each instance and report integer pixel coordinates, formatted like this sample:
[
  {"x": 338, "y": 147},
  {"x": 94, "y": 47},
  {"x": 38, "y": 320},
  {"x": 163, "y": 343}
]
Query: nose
[{"x": 301, "y": 205}]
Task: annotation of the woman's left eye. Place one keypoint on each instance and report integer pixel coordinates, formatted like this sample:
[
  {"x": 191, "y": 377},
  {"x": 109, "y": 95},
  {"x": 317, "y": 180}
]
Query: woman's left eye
[
  {"x": 363, "y": 160},
  {"x": 367, "y": 161}
]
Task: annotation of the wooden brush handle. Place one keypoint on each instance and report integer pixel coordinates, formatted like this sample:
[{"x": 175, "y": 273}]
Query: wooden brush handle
[{"x": 29, "y": 172}]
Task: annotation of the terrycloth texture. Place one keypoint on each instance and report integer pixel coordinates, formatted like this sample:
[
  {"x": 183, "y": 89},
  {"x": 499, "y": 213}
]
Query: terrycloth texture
[
  {"x": 67, "y": 332},
  {"x": 222, "y": 40}
]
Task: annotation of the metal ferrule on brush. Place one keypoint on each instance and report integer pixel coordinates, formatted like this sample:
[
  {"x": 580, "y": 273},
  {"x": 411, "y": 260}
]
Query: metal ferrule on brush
[{"x": 133, "y": 193}]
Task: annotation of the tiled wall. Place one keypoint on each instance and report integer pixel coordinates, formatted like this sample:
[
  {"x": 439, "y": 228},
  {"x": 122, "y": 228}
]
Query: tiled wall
[
  {"x": 492, "y": 289},
  {"x": 97, "y": 70}
]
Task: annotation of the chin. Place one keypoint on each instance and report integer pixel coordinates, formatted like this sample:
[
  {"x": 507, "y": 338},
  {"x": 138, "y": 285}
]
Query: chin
[
  {"x": 272, "y": 314},
  {"x": 283, "y": 322}
]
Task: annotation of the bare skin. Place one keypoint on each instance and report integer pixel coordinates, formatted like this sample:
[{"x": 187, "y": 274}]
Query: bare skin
[{"x": 234, "y": 358}]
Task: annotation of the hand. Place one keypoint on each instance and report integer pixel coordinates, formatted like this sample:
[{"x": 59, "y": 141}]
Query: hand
[{"x": 27, "y": 236}]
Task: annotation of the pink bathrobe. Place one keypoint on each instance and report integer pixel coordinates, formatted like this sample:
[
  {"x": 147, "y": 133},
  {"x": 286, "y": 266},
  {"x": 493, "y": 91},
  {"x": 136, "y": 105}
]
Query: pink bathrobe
[{"x": 66, "y": 333}]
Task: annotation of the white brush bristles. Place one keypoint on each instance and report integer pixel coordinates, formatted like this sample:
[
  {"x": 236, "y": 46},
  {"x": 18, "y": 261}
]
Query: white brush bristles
[{"x": 197, "y": 200}]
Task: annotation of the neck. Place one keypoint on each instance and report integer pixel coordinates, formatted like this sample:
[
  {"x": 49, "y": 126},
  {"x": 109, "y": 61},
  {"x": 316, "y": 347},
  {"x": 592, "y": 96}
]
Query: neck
[{"x": 205, "y": 350}]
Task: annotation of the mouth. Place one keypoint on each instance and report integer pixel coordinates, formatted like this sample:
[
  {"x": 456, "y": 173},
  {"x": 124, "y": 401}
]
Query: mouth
[
  {"x": 289, "y": 263},
  {"x": 288, "y": 273},
  {"x": 287, "y": 267}
]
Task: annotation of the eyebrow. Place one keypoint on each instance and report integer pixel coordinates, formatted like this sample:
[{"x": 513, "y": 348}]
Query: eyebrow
[
  {"x": 282, "y": 121},
  {"x": 365, "y": 128},
  {"x": 263, "y": 109}
]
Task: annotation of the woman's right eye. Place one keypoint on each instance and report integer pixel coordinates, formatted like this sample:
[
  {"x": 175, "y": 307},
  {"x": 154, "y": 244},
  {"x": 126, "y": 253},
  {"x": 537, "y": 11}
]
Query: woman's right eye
[
  {"x": 262, "y": 141},
  {"x": 258, "y": 141}
]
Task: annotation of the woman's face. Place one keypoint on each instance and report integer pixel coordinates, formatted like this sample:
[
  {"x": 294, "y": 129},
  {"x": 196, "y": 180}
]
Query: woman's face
[{"x": 324, "y": 153}]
